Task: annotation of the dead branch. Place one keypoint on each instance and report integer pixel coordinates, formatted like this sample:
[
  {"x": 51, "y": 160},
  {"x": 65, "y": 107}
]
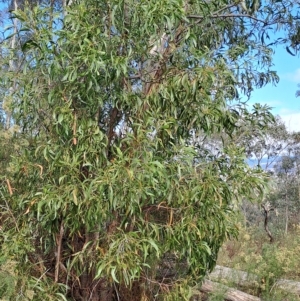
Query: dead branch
[{"x": 230, "y": 294}]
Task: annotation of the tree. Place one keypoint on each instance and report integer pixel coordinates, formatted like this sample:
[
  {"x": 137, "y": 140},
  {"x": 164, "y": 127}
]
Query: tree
[
  {"x": 286, "y": 194},
  {"x": 111, "y": 200},
  {"x": 265, "y": 147},
  {"x": 276, "y": 151}
]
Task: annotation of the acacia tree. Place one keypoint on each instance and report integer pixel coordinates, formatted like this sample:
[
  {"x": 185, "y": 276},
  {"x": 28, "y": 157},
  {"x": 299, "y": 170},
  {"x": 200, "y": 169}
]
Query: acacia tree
[{"x": 111, "y": 201}]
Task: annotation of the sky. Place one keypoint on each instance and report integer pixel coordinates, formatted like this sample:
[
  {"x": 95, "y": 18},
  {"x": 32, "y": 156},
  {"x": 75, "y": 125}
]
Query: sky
[{"x": 282, "y": 97}]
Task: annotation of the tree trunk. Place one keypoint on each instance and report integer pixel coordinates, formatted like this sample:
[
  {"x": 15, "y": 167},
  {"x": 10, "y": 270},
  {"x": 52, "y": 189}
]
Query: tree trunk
[
  {"x": 11, "y": 69},
  {"x": 286, "y": 219},
  {"x": 267, "y": 208}
]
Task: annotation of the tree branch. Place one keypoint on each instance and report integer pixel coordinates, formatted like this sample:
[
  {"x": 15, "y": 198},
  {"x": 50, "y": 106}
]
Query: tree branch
[{"x": 230, "y": 16}]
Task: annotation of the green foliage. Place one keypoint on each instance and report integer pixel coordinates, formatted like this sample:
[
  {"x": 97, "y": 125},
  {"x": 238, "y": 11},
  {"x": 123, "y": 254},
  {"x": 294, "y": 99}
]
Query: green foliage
[
  {"x": 7, "y": 286},
  {"x": 115, "y": 189}
]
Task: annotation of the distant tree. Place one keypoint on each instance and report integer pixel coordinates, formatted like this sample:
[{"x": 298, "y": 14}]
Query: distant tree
[
  {"x": 266, "y": 144},
  {"x": 110, "y": 198},
  {"x": 276, "y": 151},
  {"x": 286, "y": 195}
]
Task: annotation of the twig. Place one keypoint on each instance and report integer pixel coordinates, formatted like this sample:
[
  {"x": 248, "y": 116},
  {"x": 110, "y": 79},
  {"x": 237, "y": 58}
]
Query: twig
[
  {"x": 10, "y": 212},
  {"x": 58, "y": 255},
  {"x": 117, "y": 293},
  {"x": 74, "y": 130},
  {"x": 41, "y": 277},
  {"x": 9, "y": 187}
]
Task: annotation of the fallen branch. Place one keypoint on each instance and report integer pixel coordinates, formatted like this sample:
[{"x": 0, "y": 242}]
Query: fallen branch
[
  {"x": 249, "y": 280},
  {"x": 230, "y": 294},
  {"x": 290, "y": 286},
  {"x": 239, "y": 278}
]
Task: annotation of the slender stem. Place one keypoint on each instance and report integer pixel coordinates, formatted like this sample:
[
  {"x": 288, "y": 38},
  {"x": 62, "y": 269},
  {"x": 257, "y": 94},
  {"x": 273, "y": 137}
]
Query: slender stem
[{"x": 58, "y": 255}]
